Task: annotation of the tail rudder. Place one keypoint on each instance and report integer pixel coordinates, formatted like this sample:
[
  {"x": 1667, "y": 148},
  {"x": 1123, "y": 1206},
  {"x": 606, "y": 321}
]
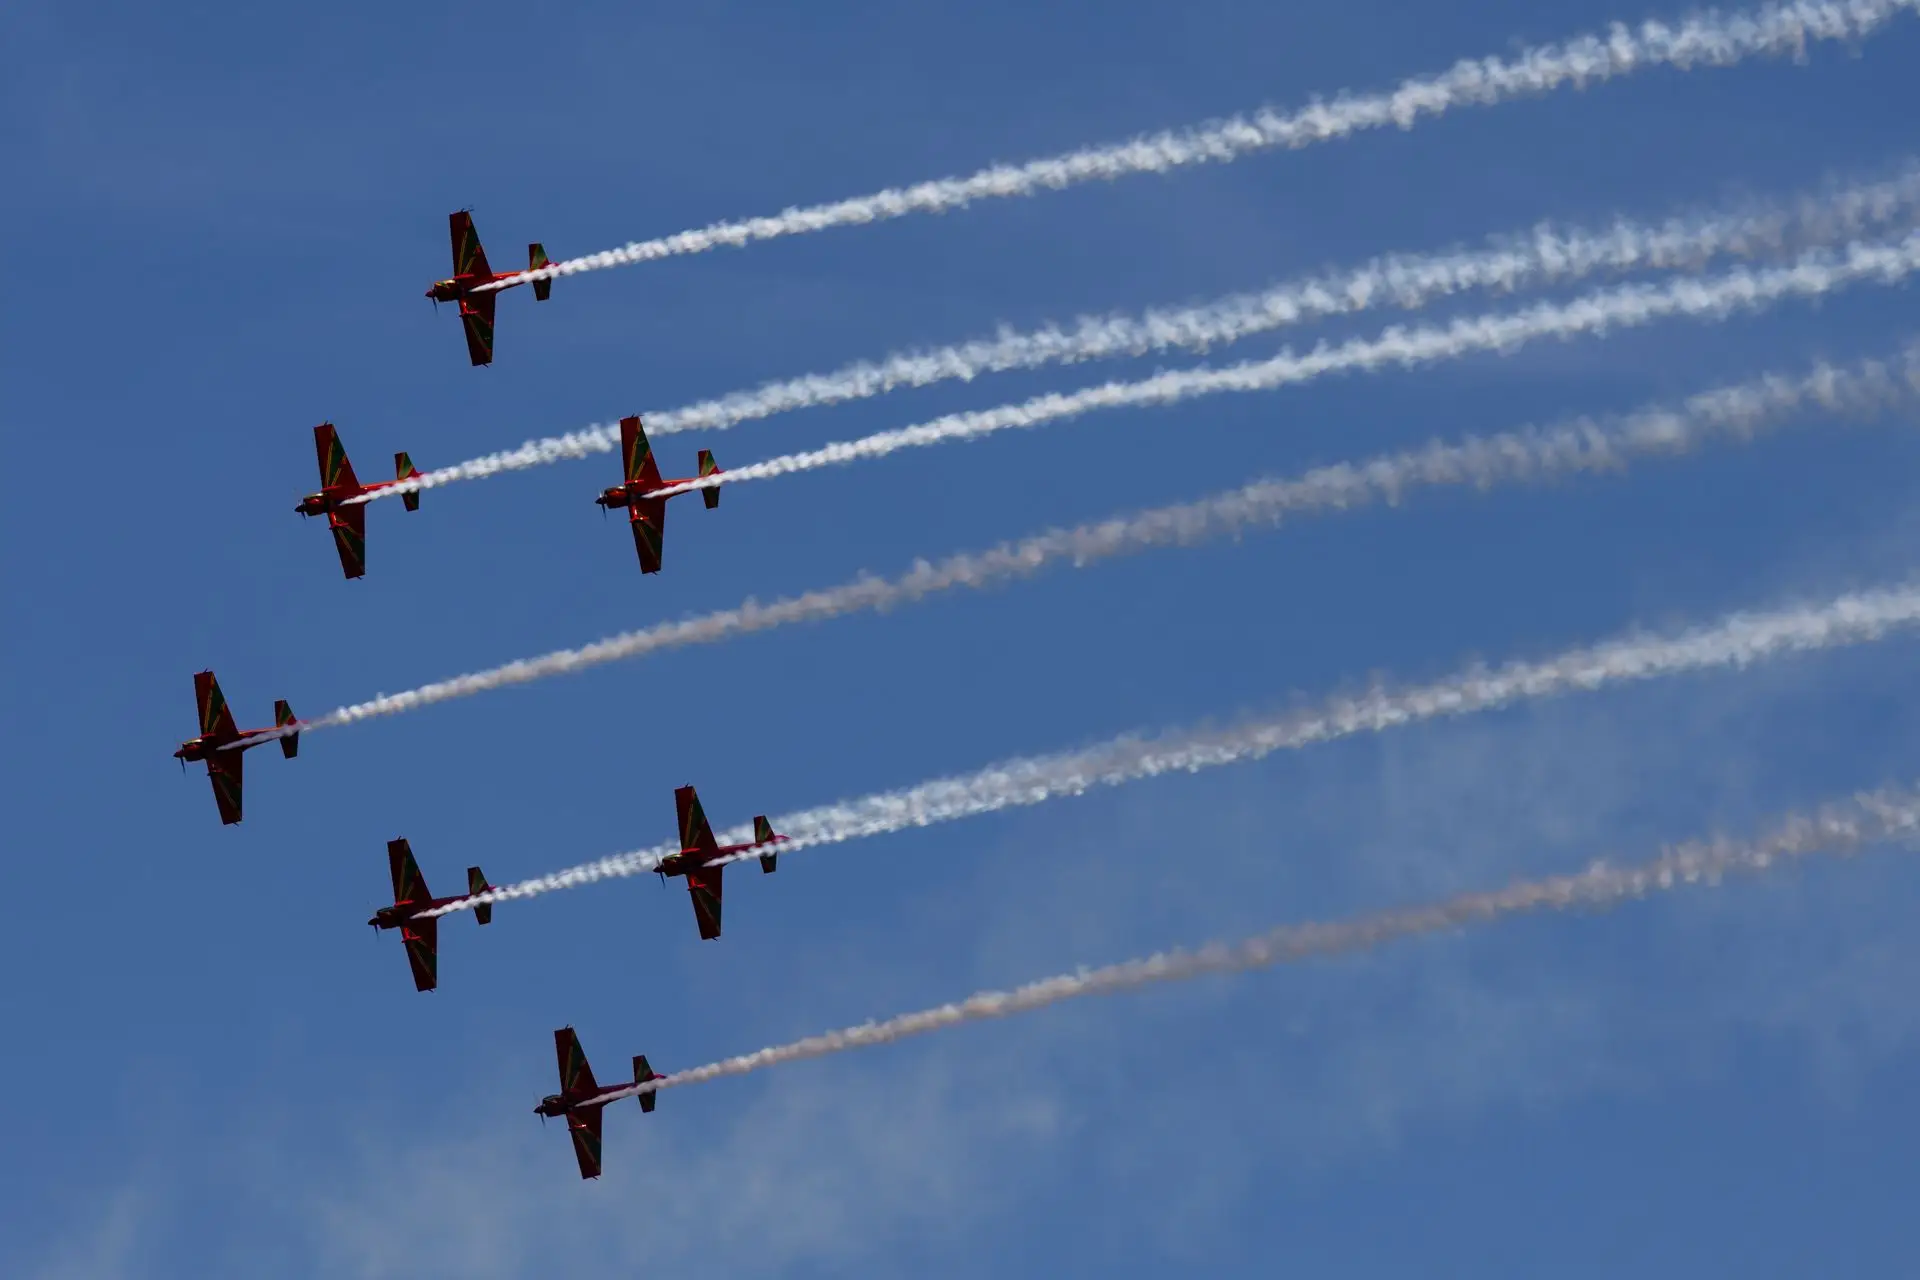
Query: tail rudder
[
  {"x": 763, "y": 834},
  {"x": 536, "y": 259},
  {"x": 641, "y": 1074},
  {"x": 477, "y": 884},
  {"x": 708, "y": 467},
  {"x": 403, "y": 469},
  {"x": 282, "y": 717}
]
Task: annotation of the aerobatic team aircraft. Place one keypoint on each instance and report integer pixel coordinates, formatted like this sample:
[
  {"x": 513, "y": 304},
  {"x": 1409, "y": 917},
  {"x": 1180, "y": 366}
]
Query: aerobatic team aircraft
[
  {"x": 470, "y": 271},
  {"x": 411, "y": 901},
  {"x": 646, "y": 514},
  {"x": 348, "y": 520},
  {"x": 217, "y": 736},
  {"x": 577, "y": 1098},
  {"x": 701, "y": 858}
]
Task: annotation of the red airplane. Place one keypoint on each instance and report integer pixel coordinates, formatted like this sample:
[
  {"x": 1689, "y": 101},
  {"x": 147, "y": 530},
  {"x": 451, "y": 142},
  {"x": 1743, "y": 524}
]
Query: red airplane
[
  {"x": 648, "y": 514},
  {"x": 348, "y": 520},
  {"x": 577, "y": 1098},
  {"x": 411, "y": 900},
  {"x": 217, "y": 732},
  {"x": 470, "y": 271},
  {"x": 701, "y": 858}
]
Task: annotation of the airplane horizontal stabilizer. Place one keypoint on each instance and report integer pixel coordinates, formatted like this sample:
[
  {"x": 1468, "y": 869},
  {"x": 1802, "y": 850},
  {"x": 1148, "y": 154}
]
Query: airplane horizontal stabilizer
[
  {"x": 477, "y": 884},
  {"x": 641, "y": 1074},
  {"x": 283, "y": 716},
  {"x": 536, "y": 259},
  {"x": 403, "y": 469},
  {"x": 708, "y": 467}
]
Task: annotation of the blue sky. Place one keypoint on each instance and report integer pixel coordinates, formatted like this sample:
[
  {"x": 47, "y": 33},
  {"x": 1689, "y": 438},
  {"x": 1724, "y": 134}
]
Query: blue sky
[{"x": 220, "y": 226}]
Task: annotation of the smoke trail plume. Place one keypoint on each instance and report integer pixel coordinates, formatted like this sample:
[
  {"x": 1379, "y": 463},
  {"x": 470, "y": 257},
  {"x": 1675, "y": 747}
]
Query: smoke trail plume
[
  {"x": 1628, "y": 306},
  {"x": 1737, "y": 641},
  {"x": 1703, "y": 39},
  {"x": 1544, "y": 255},
  {"x": 1837, "y": 830},
  {"x": 1732, "y": 413}
]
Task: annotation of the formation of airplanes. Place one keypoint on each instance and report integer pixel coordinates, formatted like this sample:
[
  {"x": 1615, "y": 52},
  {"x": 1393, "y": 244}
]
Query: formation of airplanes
[{"x": 415, "y": 912}]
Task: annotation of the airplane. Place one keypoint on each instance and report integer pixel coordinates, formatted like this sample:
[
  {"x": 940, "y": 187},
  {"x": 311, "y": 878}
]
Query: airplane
[
  {"x": 411, "y": 900},
  {"x": 470, "y": 271},
  {"x": 701, "y": 858},
  {"x": 577, "y": 1098},
  {"x": 648, "y": 515},
  {"x": 348, "y": 520},
  {"x": 217, "y": 731}
]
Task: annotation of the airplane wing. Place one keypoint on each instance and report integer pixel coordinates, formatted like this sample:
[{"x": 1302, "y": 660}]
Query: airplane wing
[
  {"x": 476, "y": 313},
  {"x": 703, "y": 884},
  {"x": 648, "y": 519},
  {"x": 223, "y": 770},
  {"x": 422, "y": 937},
  {"x": 575, "y": 1075},
  {"x": 584, "y": 1127},
  {"x": 408, "y": 884},
  {"x": 469, "y": 259},
  {"x": 637, "y": 454},
  {"x": 696, "y": 834},
  {"x": 349, "y": 525},
  {"x": 335, "y": 470},
  {"x": 215, "y": 720}
]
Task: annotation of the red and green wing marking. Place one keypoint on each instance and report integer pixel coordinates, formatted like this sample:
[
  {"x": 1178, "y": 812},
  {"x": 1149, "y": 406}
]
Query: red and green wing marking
[
  {"x": 647, "y": 517},
  {"x": 696, "y": 836},
  {"x": 335, "y": 471},
  {"x": 349, "y": 525},
  {"x": 469, "y": 259},
  {"x": 408, "y": 884},
  {"x": 576, "y": 1077},
  {"x": 422, "y": 937},
  {"x": 637, "y": 455},
  {"x": 584, "y": 1128},
  {"x": 215, "y": 720},
  {"x": 476, "y": 313},
  {"x": 223, "y": 770},
  {"x": 703, "y": 884}
]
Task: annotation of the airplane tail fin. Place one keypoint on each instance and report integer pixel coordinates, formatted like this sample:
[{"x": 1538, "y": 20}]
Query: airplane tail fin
[
  {"x": 763, "y": 834},
  {"x": 477, "y": 883},
  {"x": 282, "y": 717},
  {"x": 403, "y": 469},
  {"x": 708, "y": 467},
  {"x": 536, "y": 259},
  {"x": 641, "y": 1074}
]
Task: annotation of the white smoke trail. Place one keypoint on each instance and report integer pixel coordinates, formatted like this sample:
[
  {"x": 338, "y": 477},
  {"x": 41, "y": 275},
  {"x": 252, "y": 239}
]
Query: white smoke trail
[
  {"x": 1733, "y": 413},
  {"x": 1813, "y": 275},
  {"x": 1736, "y": 641},
  {"x": 1544, "y": 255},
  {"x": 1703, "y": 39},
  {"x": 1836, "y": 830}
]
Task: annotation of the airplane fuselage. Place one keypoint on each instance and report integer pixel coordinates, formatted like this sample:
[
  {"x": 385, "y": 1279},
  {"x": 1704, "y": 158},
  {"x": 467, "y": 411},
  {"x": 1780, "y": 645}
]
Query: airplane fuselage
[
  {"x": 679, "y": 864},
  {"x": 622, "y": 494},
  {"x": 197, "y": 749},
  {"x": 460, "y": 286},
  {"x": 319, "y": 504},
  {"x": 559, "y": 1104},
  {"x": 400, "y": 913}
]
